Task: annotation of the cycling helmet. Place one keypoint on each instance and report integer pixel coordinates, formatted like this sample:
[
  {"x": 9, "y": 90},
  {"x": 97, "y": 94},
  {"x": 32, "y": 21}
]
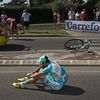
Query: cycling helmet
[{"x": 42, "y": 60}]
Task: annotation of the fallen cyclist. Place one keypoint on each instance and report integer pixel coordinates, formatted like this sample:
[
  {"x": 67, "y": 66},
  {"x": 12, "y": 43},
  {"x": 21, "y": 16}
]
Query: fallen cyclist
[{"x": 51, "y": 73}]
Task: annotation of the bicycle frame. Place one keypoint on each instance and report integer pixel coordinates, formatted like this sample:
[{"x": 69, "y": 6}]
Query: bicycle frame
[{"x": 78, "y": 44}]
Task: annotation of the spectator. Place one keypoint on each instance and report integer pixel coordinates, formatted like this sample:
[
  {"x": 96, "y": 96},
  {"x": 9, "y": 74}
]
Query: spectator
[
  {"x": 57, "y": 19},
  {"x": 71, "y": 14},
  {"x": 98, "y": 14},
  {"x": 12, "y": 25},
  {"x": 94, "y": 14},
  {"x": 25, "y": 20},
  {"x": 84, "y": 15},
  {"x": 77, "y": 16},
  {"x": 3, "y": 17}
]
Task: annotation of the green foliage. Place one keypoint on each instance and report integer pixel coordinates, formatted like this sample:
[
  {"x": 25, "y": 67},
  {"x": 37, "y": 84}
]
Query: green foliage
[
  {"x": 1, "y": 0},
  {"x": 53, "y": 32},
  {"x": 39, "y": 2},
  {"x": 18, "y": 2},
  {"x": 31, "y": 2},
  {"x": 98, "y": 4},
  {"x": 42, "y": 15},
  {"x": 39, "y": 15},
  {"x": 65, "y": 4}
]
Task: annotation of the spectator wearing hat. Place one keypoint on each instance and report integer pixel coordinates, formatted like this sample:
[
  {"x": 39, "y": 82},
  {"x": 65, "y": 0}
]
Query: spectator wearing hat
[
  {"x": 12, "y": 25},
  {"x": 25, "y": 20}
]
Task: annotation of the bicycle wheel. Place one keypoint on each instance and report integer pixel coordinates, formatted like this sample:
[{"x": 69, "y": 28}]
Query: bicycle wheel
[{"x": 74, "y": 44}]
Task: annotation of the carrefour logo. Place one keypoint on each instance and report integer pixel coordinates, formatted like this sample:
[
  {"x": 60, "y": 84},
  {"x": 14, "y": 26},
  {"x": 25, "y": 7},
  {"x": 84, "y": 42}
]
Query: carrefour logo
[{"x": 83, "y": 25}]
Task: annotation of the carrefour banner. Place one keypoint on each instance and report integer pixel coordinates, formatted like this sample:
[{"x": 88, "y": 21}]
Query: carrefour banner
[{"x": 88, "y": 26}]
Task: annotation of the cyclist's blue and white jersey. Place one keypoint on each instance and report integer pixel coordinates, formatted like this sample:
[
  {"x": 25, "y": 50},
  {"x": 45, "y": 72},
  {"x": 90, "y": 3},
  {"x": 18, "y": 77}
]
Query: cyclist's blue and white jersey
[{"x": 56, "y": 76}]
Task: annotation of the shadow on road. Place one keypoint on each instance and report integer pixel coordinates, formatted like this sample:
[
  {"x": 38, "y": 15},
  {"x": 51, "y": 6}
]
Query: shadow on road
[
  {"x": 12, "y": 47},
  {"x": 67, "y": 90}
]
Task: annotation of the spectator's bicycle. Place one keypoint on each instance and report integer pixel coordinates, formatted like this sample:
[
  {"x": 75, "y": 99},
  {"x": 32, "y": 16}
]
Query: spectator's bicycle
[{"x": 78, "y": 44}]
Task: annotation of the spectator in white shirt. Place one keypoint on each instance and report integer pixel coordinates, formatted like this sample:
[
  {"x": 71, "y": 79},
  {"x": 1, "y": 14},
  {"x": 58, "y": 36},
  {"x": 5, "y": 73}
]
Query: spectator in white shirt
[
  {"x": 25, "y": 19},
  {"x": 71, "y": 14},
  {"x": 77, "y": 16},
  {"x": 3, "y": 17},
  {"x": 97, "y": 14}
]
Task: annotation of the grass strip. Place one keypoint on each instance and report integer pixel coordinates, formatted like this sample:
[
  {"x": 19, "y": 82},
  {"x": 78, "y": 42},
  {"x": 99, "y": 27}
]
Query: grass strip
[{"x": 60, "y": 32}]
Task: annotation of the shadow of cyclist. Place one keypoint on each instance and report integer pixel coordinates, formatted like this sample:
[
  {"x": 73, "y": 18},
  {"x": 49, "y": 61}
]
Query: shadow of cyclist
[{"x": 66, "y": 90}]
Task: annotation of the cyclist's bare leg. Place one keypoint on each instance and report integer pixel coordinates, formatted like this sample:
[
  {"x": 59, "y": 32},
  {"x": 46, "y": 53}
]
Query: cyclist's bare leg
[{"x": 33, "y": 78}]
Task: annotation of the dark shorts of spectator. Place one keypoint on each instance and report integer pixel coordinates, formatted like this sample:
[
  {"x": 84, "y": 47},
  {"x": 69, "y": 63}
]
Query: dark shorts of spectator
[
  {"x": 26, "y": 24},
  {"x": 55, "y": 20}
]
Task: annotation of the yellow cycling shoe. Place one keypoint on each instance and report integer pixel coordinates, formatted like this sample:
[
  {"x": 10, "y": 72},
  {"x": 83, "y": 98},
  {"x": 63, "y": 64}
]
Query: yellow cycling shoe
[
  {"x": 22, "y": 79},
  {"x": 17, "y": 85}
]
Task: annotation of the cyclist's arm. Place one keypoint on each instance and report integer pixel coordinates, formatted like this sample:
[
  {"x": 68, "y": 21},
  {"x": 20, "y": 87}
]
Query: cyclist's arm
[
  {"x": 42, "y": 73},
  {"x": 46, "y": 70},
  {"x": 37, "y": 70}
]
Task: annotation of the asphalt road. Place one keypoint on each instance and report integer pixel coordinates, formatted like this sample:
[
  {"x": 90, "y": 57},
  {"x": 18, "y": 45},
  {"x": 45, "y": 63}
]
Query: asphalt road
[
  {"x": 83, "y": 84},
  {"x": 42, "y": 43}
]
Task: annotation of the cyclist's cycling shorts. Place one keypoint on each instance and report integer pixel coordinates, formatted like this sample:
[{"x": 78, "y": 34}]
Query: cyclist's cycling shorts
[{"x": 52, "y": 83}]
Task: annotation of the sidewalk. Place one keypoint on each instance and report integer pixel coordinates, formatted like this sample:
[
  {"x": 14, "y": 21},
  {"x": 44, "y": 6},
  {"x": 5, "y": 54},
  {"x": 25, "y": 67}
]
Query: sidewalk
[
  {"x": 64, "y": 57},
  {"x": 80, "y": 34}
]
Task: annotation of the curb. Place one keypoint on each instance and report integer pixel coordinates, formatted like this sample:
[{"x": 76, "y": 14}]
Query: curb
[
  {"x": 34, "y": 62},
  {"x": 41, "y": 35},
  {"x": 83, "y": 35},
  {"x": 62, "y": 62}
]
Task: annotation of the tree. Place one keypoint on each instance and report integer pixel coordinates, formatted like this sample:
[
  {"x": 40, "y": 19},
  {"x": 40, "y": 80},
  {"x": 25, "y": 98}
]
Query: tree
[
  {"x": 85, "y": 1},
  {"x": 1, "y": 0},
  {"x": 97, "y": 4},
  {"x": 39, "y": 2},
  {"x": 18, "y": 2},
  {"x": 65, "y": 4},
  {"x": 31, "y": 2}
]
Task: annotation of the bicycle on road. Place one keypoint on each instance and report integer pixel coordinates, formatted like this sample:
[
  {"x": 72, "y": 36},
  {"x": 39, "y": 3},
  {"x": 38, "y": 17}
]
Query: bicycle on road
[{"x": 78, "y": 44}]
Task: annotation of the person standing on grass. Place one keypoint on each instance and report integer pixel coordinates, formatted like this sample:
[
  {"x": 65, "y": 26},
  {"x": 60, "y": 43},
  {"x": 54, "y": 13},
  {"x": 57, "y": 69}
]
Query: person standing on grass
[
  {"x": 12, "y": 25},
  {"x": 3, "y": 18},
  {"x": 57, "y": 19},
  {"x": 25, "y": 18}
]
